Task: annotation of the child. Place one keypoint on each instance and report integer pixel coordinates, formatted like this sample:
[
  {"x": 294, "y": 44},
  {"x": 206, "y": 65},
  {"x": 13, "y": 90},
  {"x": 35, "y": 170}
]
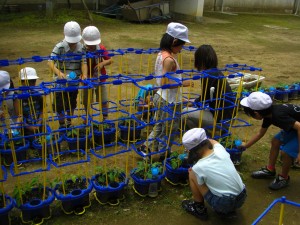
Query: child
[
  {"x": 286, "y": 116},
  {"x": 220, "y": 186},
  {"x": 32, "y": 107},
  {"x": 96, "y": 65},
  {"x": 171, "y": 43},
  {"x": 65, "y": 65},
  {"x": 12, "y": 104},
  {"x": 206, "y": 59}
]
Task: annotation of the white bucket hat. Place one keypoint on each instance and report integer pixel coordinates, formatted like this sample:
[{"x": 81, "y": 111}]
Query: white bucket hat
[
  {"x": 72, "y": 32},
  {"x": 4, "y": 80},
  {"x": 257, "y": 101},
  {"x": 91, "y": 35},
  {"x": 28, "y": 73},
  {"x": 193, "y": 137},
  {"x": 179, "y": 31}
]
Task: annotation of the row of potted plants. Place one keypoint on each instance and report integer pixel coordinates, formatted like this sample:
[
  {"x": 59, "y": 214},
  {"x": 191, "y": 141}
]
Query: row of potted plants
[
  {"x": 280, "y": 92},
  {"x": 34, "y": 198}
]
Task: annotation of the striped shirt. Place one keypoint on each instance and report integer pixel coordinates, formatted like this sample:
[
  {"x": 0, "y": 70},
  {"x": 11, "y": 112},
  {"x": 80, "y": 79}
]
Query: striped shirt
[{"x": 66, "y": 61}]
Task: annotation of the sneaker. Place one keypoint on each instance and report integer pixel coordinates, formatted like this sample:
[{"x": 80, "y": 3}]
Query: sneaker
[
  {"x": 279, "y": 183},
  {"x": 198, "y": 210},
  {"x": 263, "y": 173},
  {"x": 295, "y": 165}
]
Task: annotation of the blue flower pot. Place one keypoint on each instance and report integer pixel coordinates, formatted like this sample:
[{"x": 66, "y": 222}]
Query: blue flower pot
[
  {"x": 74, "y": 141},
  {"x": 133, "y": 132},
  {"x": 20, "y": 153},
  {"x": 109, "y": 135},
  {"x": 76, "y": 201},
  {"x": 176, "y": 176},
  {"x": 55, "y": 145},
  {"x": 37, "y": 210},
  {"x": 235, "y": 155},
  {"x": 282, "y": 95},
  {"x": 111, "y": 194},
  {"x": 4, "y": 212},
  {"x": 142, "y": 186}
]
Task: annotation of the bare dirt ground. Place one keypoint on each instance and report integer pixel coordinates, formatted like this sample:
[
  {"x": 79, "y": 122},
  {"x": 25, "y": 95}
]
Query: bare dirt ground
[{"x": 269, "y": 42}]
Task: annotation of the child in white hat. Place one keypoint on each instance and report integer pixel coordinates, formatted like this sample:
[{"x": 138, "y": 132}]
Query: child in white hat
[
  {"x": 171, "y": 43},
  {"x": 287, "y": 117},
  {"x": 212, "y": 178},
  {"x": 67, "y": 60},
  {"x": 96, "y": 65},
  {"x": 6, "y": 86},
  {"x": 32, "y": 107}
]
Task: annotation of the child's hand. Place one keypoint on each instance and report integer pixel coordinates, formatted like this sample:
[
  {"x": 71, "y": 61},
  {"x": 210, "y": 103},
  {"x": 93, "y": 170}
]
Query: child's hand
[
  {"x": 61, "y": 75},
  {"x": 241, "y": 148}
]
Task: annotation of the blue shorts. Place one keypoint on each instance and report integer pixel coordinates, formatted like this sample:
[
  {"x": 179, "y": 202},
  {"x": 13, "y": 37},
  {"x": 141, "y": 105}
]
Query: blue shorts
[
  {"x": 225, "y": 204},
  {"x": 289, "y": 141}
]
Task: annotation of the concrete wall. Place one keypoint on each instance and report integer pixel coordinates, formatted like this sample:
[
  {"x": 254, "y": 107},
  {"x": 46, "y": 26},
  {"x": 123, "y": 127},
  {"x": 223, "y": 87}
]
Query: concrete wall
[
  {"x": 252, "y": 6},
  {"x": 26, "y": 5},
  {"x": 191, "y": 10}
]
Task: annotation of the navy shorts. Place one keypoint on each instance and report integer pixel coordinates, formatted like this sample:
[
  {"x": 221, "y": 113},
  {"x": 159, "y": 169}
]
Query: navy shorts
[
  {"x": 289, "y": 141},
  {"x": 225, "y": 204}
]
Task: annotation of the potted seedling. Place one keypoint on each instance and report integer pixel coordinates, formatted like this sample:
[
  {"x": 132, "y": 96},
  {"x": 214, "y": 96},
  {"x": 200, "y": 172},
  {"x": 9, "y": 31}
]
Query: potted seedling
[
  {"x": 17, "y": 144},
  {"x": 147, "y": 178},
  {"x": 33, "y": 199},
  {"x": 282, "y": 92},
  {"x": 130, "y": 129},
  {"x": 231, "y": 144},
  {"x": 51, "y": 143},
  {"x": 107, "y": 130},
  {"x": 177, "y": 168},
  {"x": 78, "y": 137},
  {"x": 268, "y": 90},
  {"x": 73, "y": 191},
  {"x": 293, "y": 91},
  {"x": 109, "y": 185},
  {"x": 6, "y": 205}
]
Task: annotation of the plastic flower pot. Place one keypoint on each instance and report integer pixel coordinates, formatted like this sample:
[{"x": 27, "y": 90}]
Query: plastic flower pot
[
  {"x": 4, "y": 211},
  {"x": 177, "y": 176},
  {"x": 55, "y": 145},
  {"x": 132, "y": 133},
  {"x": 75, "y": 200},
  {"x": 282, "y": 94},
  {"x": 143, "y": 186},
  {"x": 75, "y": 143},
  {"x": 37, "y": 210},
  {"x": 20, "y": 151},
  {"x": 109, "y": 134},
  {"x": 111, "y": 194},
  {"x": 235, "y": 155},
  {"x": 294, "y": 89}
]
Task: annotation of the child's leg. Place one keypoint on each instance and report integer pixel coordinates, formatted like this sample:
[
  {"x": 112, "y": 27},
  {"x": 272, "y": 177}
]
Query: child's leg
[
  {"x": 197, "y": 191},
  {"x": 274, "y": 151},
  {"x": 286, "y": 164},
  {"x": 101, "y": 95}
]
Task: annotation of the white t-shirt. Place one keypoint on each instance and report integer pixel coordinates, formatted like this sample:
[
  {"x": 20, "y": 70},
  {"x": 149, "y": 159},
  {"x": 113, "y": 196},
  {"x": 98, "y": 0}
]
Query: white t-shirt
[
  {"x": 218, "y": 173},
  {"x": 169, "y": 95}
]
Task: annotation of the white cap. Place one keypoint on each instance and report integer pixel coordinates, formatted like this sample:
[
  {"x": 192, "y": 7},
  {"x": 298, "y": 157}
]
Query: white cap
[
  {"x": 257, "y": 101},
  {"x": 193, "y": 137},
  {"x": 28, "y": 73},
  {"x": 72, "y": 32},
  {"x": 179, "y": 31},
  {"x": 91, "y": 35},
  {"x": 4, "y": 80}
]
